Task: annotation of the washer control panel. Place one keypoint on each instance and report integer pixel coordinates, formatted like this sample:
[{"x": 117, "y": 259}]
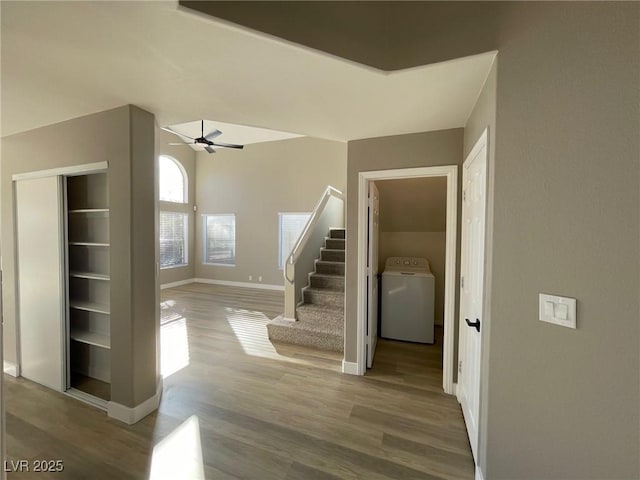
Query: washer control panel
[{"x": 407, "y": 262}]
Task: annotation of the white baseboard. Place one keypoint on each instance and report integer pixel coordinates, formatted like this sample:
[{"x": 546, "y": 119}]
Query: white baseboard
[
  {"x": 131, "y": 415},
  {"x": 262, "y": 286},
  {"x": 177, "y": 284},
  {"x": 350, "y": 368},
  {"x": 11, "y": 368},
  {"x": 479, "y": 475}
]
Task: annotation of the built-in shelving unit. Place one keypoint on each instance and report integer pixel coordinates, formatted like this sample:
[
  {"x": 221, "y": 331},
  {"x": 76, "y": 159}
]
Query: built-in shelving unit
[{"x": 89, "y": 325}]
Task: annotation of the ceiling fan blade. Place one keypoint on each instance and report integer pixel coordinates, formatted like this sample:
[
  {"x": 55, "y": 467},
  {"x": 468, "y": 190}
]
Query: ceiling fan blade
[
  {"x": 212, "y": 135},
  {"x": 167, "y": 129},
  {"x": 227, "y": 145},
  {"x": 176, "y": 143},
  {"x": 209, "y": 149}
]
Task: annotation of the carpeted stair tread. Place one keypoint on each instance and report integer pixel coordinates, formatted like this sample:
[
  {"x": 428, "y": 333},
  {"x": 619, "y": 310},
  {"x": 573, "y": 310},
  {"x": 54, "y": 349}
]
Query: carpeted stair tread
[
  {"x": 320, "y": 327},
  {"x": 335, "y": 243},
  {"x": 337, "y": 233},
  {"x": 327, "y": 267},
  {"x": 322, "y": 296},
  {"x": 323, "y": 335},
  {"x": 332, "y": 255},
  {"x": 320, "y": 313},
  {"x": 323, "y": 291},
  {"x": 331, "y": 282},
  {"x": 327, "y": 275},
  {"x": 315, "y": 308}
]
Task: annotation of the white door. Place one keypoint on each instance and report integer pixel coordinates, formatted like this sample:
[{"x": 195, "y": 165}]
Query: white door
[
  {"x": 474, "y": 200},
  {"x": 41, "y": 304},
  {"x": 372, "y": 272}
]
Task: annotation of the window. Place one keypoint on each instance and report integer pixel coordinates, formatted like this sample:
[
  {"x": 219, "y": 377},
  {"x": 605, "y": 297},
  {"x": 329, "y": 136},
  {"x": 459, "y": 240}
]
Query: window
[
  {"x": 173, "y": 239},
  {"x": 290, "y": 226},
  {"x": 173, "y": 181},
  {"x": 219, "y": 232}
]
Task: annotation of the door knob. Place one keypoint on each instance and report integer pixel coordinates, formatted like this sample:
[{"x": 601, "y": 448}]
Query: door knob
[{"x": 475, "y": 324}]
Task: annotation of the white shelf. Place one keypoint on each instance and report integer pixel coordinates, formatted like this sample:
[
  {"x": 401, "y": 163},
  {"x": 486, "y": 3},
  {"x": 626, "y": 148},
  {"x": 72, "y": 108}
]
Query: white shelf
[
  {"x": 89, "y": 275},
  {"x": 90, "y": 210},
  {"x": 89, "y": 306},
  {"x": 89, "y": 244},
  {"x": 91, "y": 338}
]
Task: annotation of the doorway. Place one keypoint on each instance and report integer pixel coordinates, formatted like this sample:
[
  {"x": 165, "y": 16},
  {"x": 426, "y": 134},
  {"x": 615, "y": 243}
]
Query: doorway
[{"x": 366, "y": 316}]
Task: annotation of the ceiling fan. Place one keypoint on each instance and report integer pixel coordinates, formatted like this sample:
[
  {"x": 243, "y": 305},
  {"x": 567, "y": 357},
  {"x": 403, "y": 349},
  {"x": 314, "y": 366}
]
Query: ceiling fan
[{"x": 205, "y": 140}]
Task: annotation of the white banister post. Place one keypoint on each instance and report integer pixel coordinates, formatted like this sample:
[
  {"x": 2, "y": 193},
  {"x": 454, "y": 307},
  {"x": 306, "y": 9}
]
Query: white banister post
[{"x": 289, "y": 291}]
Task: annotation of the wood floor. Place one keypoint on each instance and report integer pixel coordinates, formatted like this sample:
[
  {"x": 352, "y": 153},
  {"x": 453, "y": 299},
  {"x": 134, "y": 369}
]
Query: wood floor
[{"x": 236, "y": 406}]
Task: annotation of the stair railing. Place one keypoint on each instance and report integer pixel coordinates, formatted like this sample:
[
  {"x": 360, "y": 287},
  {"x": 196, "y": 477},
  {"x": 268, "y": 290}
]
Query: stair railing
[{"x": 328, "y": 213}]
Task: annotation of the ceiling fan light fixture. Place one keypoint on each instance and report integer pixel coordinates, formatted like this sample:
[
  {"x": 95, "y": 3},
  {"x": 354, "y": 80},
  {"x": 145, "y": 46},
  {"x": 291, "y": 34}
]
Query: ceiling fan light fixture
[{"x": 205, "y": 140}]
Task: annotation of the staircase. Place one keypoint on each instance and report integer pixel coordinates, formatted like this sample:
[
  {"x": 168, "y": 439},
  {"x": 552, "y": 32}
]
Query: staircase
[{"x": 321, "y": 315}]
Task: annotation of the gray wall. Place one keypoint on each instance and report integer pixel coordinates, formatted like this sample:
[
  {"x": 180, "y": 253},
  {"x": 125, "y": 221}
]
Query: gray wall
[
  {"x": 256, "y": 184},
  {"x": 443, "y": 147},
  {"x": 566, "y": 221},
  {"x": 124, "y": 137},
  {"x": 413, "y": 223},
  {"x": 187, "y": 158},
  {"x": 564, "y": 218}
]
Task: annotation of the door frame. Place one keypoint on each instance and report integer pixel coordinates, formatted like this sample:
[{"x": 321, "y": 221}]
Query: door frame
[{"x": 451, "y": 174}]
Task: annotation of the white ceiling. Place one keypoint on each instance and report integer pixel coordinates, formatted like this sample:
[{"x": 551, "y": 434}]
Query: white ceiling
[
  {"x": 61, "y": 60},
  {"x": 231, "y": 133}
]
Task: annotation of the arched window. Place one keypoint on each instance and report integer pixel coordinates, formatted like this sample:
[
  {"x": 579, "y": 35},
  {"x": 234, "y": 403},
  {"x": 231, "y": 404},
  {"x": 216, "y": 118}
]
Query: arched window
[{"x": 173, "y": 181}]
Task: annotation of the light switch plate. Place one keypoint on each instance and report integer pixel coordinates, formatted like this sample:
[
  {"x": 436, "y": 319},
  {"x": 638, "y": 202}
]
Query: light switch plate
[{"x": 562, "y": 307}]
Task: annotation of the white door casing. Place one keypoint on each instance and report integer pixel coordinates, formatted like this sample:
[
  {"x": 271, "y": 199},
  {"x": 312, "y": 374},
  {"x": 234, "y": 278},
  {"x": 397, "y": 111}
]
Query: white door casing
[
  {"x": 474, "y": 201},
  {"x": 450, "y": 172},
  {"x": 372, "y": 272},
  {"x": 41, "y": 304}
]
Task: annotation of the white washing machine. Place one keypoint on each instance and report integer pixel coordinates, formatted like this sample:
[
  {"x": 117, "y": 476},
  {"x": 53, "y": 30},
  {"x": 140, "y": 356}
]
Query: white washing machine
[{"x": 407, "y": 292}]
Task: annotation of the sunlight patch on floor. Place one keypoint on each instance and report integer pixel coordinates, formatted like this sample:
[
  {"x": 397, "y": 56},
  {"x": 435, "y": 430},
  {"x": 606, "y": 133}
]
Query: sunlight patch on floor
[
  {"x": 179, "y": 454},
  {"x": 250, "y": 328},
  {"x": 174, "y": 341}
]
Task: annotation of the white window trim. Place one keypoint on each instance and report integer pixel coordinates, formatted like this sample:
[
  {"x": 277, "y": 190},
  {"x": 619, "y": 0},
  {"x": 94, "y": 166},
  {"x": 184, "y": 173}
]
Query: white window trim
[
  {"x": 204, "y": 238},
  {"x": 186, "y": 242},
  {"x": 181, "y": 265},
  {"x": 185, "y": 181}
]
